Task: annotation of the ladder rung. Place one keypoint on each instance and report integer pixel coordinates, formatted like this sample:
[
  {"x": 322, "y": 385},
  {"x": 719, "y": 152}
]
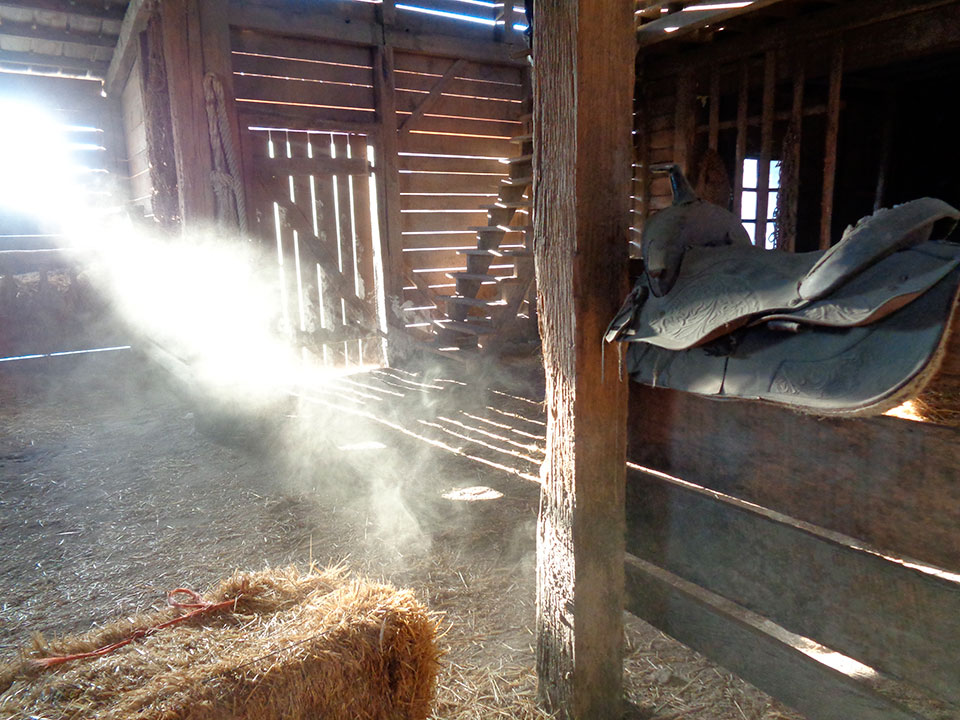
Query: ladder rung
[{"x": 519, "y": 160}]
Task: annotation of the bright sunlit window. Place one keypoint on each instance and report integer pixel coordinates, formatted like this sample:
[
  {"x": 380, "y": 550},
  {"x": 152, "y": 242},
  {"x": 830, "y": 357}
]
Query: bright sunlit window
[
  {"x": 36, "y": 176},
  {"x": 748, "y": 201}
]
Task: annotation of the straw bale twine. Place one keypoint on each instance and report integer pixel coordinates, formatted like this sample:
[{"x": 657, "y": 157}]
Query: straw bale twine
[{"x": 298, "y": 645}]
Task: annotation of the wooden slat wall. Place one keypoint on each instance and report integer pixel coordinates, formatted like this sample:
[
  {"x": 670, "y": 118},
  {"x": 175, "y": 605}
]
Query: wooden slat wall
[
  {"x": 450, "y": 164},
  {"x": 43, "y": 306},
  {"x": 138, "y": 161}
]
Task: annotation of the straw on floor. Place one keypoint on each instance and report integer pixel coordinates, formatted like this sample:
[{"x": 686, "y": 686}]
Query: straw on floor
[{"x": 296, "y": 646}]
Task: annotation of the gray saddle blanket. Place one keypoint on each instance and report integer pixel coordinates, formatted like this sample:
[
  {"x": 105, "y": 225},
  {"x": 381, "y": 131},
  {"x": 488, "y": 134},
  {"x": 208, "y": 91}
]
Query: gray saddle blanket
[{"x": 852, "y": 330}]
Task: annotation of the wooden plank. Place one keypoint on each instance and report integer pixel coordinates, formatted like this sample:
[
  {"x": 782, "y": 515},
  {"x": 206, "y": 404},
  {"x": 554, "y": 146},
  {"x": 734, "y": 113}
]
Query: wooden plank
[
  {"x": 410, "y": 63},
  {"x": 300, "y": 166},
  {"x": 454, "y": 145},
  {"x": 885, "y": 481},
  {"x": 684, "y": 122},
  {"x": 467, "y": 127},
  {"x": 414, "y": 182},
  {"x": 320, "y": 95},
  {"x": 582, "y": 115},
  {"x": 308, "y": 51},
  {"x": 328, "y": 22},
  {"x": 742, "y": 642},
  {"x": 677, "y": 25},
  {"x": 183, "y": 55},
  {"x": 371, "y": 352},
  {"x": 456, "y": 86},
  {"x": 830, "y": 152},
  {"x": 266, "y": 113},
  {"x": 886, "y": 148},
  {"x": 713, "y": 137},
  {"x": 442, "y": 221},
  {"x": 790, "y": 168},
  {"x": 425, "y": 104},
  {"x": 766, "y": 145},
  {"x": 486, "y": 168},
  {"x": 476, "y": 202},
  {"x": 128, "y": 44},
  {"x": 740, "y": 154},
  {"x": 889, "y": 616},
  {"x": 30, "y": 60},
  {"x": 388, "y": 186},
  {"x": 244, "y": 63},
  {"x": 450, "y": 106}
]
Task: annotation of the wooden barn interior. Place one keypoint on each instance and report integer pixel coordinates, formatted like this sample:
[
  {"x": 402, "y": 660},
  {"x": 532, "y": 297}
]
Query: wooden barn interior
[{"x": 448, "y": 198}]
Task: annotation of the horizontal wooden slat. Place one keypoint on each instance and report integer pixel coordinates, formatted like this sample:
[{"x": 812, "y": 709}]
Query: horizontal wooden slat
[
  {"x": 450, "y": 106},
  {"x": 466, "y": 126},
  {"x": 467, "y": 88},
  {"x": 298, "y": 167},
  {"x": 454, "y": 6},
  {"x": 417, "y": 222},
  {"x": 889, "y": 482},
  {"x": 743, "y": 643},
  {"x": 415, "y": 63},
  {"x": 445, "y": 202},
  {"x": 451, "y": 165},
  {"x": 424, "y": 182},
  {"x": 299, "y": 92},
  {"x": 444, "y": 144},
  {"x": 263, "y": 113},
  {"x": 892, "y": 617},
  {"x": 13, "y": 262},
  {"x": 290, "y": 47},
  {"x": 280, "y": 67}
]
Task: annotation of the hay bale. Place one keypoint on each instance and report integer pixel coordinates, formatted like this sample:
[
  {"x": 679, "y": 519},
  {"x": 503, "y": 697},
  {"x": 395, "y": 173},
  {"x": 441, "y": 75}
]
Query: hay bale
[{"x": 314, "y": 645}]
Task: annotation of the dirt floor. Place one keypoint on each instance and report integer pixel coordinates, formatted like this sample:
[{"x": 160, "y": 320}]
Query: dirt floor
[{"x": 114, "y": 490}]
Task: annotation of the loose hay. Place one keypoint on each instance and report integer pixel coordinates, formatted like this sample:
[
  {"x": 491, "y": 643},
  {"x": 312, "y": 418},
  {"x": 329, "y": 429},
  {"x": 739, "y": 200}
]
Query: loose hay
[{"x": 298, "y": 646}]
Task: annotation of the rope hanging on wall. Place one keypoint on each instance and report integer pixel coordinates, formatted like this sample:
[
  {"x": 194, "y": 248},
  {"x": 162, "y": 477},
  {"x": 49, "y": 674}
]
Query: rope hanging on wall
[{"x": 226, "y": 175}]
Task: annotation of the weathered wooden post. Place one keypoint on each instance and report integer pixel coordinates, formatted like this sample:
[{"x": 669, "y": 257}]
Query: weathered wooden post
[{"x": 584, "y": 76}]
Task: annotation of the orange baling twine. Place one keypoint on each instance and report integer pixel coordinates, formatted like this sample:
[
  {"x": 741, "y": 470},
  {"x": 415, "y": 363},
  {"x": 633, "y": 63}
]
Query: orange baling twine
[{"x": 197, "y": 603}]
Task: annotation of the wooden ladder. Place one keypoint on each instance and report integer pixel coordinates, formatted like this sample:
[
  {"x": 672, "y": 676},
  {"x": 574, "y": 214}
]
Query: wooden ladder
[{"x": 485, "y": 306}]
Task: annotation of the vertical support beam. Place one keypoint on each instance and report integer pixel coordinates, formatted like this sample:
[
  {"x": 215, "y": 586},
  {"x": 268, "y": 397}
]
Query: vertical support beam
[
  {"x": 766, "y": 145},
  {"x": 684, "y": 121},
  {"x": 743, "y": 100},
  {"x": 713, "y": 139},
  {"x": 584, "y": 77},
  {"x": 388, "y": 177},
  {"x": 790, "y": 167},
  {"x": 830, "y": 152},
  {"x": 183, "y": 54},
  {"x": 886, "y": 148},
  {"x": 196, "y": 41}
]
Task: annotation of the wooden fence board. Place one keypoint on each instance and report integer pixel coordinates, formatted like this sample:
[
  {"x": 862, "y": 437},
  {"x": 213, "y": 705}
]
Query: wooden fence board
[
  {"x": 414, "y": 63},
  {"x": 452, "y": 165},
  {"x": 886, "y": 481},
  {"x": 289, "y": 47},
  {"x": 443, "y": 144},
  {"x": 449, "y": 106},
  {"x": 742, "y": 643},
  {"x": 420, "y": 182},
  {"x": 284, "y": 67},
  {"x": 894, "y": 618},
  {"x": 421, "y": 222},
  {"x": 299, "y": 92},
  {"x": 423, "y": 82}
]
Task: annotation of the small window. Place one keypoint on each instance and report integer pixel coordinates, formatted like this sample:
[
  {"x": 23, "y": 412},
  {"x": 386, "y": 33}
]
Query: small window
[{"x": 748, "y": 200}]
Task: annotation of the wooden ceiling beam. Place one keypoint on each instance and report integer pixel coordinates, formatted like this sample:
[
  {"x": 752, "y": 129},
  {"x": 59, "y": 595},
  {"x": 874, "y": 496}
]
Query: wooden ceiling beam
[
  {"x": 92, "y": 68},
  {"x": 99, "y": 9},
  {"x": 675, "y": 25},
  {"x": 128, "y": 44},
  {"x": 40, "y": 32}
]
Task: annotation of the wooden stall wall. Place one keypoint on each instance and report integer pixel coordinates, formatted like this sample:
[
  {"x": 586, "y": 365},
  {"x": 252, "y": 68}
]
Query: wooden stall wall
[
  {"x": 455, "y": 122},
  {"x": 791, "y": 548},
  {"x": 47, "y": 304}
]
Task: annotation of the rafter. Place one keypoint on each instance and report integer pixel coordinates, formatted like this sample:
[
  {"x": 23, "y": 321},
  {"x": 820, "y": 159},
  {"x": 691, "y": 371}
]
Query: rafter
[{"x": 39, "y": 32}]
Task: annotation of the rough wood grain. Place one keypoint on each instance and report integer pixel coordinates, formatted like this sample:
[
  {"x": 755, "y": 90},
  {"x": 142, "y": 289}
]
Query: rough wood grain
[
  {"x": 891, "y": 617},
  {"x": 832, "y": 139},
  {"x": 886, "y": 481},
  {"x": 584, "y": 69},
  {"x": 742, "y": 642}
]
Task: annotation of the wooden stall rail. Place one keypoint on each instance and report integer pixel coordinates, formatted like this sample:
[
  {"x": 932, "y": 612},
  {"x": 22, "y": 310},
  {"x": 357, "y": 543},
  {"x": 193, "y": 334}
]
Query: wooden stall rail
[{"x": 843, "y": 532}]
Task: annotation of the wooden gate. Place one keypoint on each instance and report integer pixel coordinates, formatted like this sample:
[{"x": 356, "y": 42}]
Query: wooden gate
[{"x": 312, "y": 194}]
